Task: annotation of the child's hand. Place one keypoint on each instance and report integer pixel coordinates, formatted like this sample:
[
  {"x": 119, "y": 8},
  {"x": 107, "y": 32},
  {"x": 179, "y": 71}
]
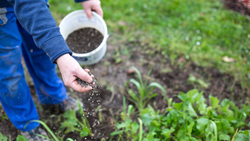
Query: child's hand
[
  {"x": 92, "y": 5},
  {"x": 70, "y": 70}
]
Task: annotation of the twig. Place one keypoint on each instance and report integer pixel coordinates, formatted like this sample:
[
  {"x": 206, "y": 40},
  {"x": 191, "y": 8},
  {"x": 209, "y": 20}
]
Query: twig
[{"x": 235, "y": 134}]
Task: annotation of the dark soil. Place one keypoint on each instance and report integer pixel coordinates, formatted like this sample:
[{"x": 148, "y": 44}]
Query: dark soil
[
  {"x": 113, "y": 71},
  {"x": 84, "y": 40},
  {"x": 238, "y": 5}
]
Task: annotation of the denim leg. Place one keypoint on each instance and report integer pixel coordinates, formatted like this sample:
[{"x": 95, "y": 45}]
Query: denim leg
[
  {"x": 49, "y": 87},
  {"x": 14, "y": 91}
]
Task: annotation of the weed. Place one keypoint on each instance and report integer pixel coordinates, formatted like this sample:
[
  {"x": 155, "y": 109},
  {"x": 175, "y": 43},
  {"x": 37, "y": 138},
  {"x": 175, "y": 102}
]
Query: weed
[
  {"x": 145, "y": 91},
  {"x": 3, "y": 138},
  {"x": 192, "y": 119},
  {"x": 72, "y": 123}
]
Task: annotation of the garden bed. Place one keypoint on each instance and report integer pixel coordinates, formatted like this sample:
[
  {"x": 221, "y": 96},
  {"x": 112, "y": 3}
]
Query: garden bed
[{"x": 114, "y": 71}]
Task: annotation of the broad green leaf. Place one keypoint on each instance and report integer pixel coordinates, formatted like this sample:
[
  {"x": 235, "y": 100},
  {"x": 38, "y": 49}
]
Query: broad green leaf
[
  {"x": 19, "y": 138},
  {"x": 166, "y": 132},
  {"x": 150, "y": 136},
  {"x": 225, "y": 124},
  {"x": 241, "y": 137},
  {"x": 246, "y": 109},
  {"x": 178, "y": 106},
  {"x": 192, "y": 95},
  {"x": 182, "y": 96},
  {"x": 191, "y": 111},
  {"x": 70, "y": 114},
  {"x": 214, "y": 101},
  {"x": 201, "y": 124},
  {"x": 190, "y": 128},
  {"x": 134, "y": 127},
  {"x": 224, "y": 137},
  {"x": 116, "y": 133},
  {"x": 201, "y": 102},
  {"x": 121, "y": 125},
  {"x": 194, "y": 139},
  {"x": 147, "y": 119},
  {"x": 3, "y": 138},
  {"x": 83, "y": 133}
]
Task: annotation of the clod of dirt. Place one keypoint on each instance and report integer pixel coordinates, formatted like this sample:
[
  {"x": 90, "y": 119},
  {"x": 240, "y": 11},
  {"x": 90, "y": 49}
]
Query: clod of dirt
[
  {"x": 84, "y": 40},
  {"x": 86, "y": 84},
  {"x": 130, "y": 71}
]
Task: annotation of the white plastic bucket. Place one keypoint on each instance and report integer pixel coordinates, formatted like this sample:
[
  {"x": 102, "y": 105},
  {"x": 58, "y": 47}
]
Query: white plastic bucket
[{"x": 77, "y": 20}]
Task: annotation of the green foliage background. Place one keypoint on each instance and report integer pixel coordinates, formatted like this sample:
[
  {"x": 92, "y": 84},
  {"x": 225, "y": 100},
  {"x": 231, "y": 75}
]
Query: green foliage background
[{"x": 202, "y": 27}]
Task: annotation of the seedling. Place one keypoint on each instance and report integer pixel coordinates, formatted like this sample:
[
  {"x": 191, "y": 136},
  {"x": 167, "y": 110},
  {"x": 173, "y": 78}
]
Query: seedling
[
  {"x": 73, "y": 124},
  {"x": 145, "y": 91}
]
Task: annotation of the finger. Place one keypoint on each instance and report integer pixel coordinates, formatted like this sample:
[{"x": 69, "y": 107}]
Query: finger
[
  {"x": 88, "y": 13},
  {"x": 87, "y": 70},
  {"x": 83, "y": 75},
  {"x": 92, "y": 75},
  {"x": 98, "y": 10}
]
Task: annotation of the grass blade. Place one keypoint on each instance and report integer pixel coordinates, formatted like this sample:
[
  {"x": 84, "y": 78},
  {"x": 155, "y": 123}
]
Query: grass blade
[
  {"x": 140, "y": 130},
  {"x": 52, "y": 134},
  {"x": 154, "y": 84},
  {"x": 139, "y": 75},
  {"x": 215, "y": 130}
]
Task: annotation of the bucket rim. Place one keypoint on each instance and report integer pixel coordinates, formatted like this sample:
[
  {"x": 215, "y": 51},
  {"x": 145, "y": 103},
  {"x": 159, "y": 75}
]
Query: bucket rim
[{"x": 105, "y": 36}]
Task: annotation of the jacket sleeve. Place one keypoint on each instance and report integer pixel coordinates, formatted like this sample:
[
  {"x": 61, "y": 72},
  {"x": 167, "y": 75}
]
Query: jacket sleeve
[
  {"x": 80, "y": 1},
  {"x": 35, "y": 18}
]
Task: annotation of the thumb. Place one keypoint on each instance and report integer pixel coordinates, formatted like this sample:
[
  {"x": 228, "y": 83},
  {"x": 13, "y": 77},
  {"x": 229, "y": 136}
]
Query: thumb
[
  {"x": 88, "y": 13},
  {"x": 83, "y": 75}
]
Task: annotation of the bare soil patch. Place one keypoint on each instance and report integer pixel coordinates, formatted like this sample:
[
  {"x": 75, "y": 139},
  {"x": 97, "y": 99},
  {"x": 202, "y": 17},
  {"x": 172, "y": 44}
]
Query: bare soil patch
[{"x": 241, "y": 6}]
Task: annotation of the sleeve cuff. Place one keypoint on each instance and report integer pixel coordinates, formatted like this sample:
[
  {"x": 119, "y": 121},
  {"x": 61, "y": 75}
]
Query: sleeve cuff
[
  {"x": 56, "y": 47},
  {"x": 77, "y": 1}
]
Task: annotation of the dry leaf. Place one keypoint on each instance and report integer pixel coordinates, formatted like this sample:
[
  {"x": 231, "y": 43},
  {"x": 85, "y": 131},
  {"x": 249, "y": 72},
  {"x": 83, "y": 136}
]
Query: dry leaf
[
  {"x": 130, "y": 71},
  {"x": 227, "y": 59}
]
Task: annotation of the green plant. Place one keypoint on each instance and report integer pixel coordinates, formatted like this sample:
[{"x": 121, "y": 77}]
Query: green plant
[
  {"x": 145, "y": 90},
  {"x": 192, "y": 79},
  {"x": 21, "y": 138},
  {"x": 46, "y": 127},
  {"x": 192, "y": 120},
  {"x": 73, "y": 124},
  {"x": 129, "y": 127},
  {"x": 3, "y": 138}
]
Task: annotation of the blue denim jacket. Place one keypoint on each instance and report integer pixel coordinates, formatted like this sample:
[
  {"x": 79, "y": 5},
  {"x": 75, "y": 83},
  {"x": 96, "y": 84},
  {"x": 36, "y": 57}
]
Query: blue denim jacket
[{"x": 35, "y": 17}]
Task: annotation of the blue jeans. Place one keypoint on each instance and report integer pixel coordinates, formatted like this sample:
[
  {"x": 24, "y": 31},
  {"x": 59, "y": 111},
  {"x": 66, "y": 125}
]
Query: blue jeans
[{"x": 14, "y": 91}]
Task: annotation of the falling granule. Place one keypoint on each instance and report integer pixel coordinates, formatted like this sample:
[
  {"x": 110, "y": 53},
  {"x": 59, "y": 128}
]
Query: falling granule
[{"x": 198, "y": 43}]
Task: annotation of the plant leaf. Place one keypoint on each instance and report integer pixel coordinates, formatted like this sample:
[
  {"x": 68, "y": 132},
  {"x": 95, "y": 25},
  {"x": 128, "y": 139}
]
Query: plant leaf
[
  {"x": 19, "y": 138},
  {"x": 139, "y": 75},
  {"x": 202, "y": 123},
  {"x": 241, "y": 137},
  {"x": 154, "y": 84},
  {"x": 191, "y": 110},
  {"x": 214, "y": 101},
  {"x": 166, "y": 132},
  {"x": 224, "y": 137}
]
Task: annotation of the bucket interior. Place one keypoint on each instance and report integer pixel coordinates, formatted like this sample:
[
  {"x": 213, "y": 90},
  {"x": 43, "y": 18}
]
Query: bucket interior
[{"x": 78, "y": 19}]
